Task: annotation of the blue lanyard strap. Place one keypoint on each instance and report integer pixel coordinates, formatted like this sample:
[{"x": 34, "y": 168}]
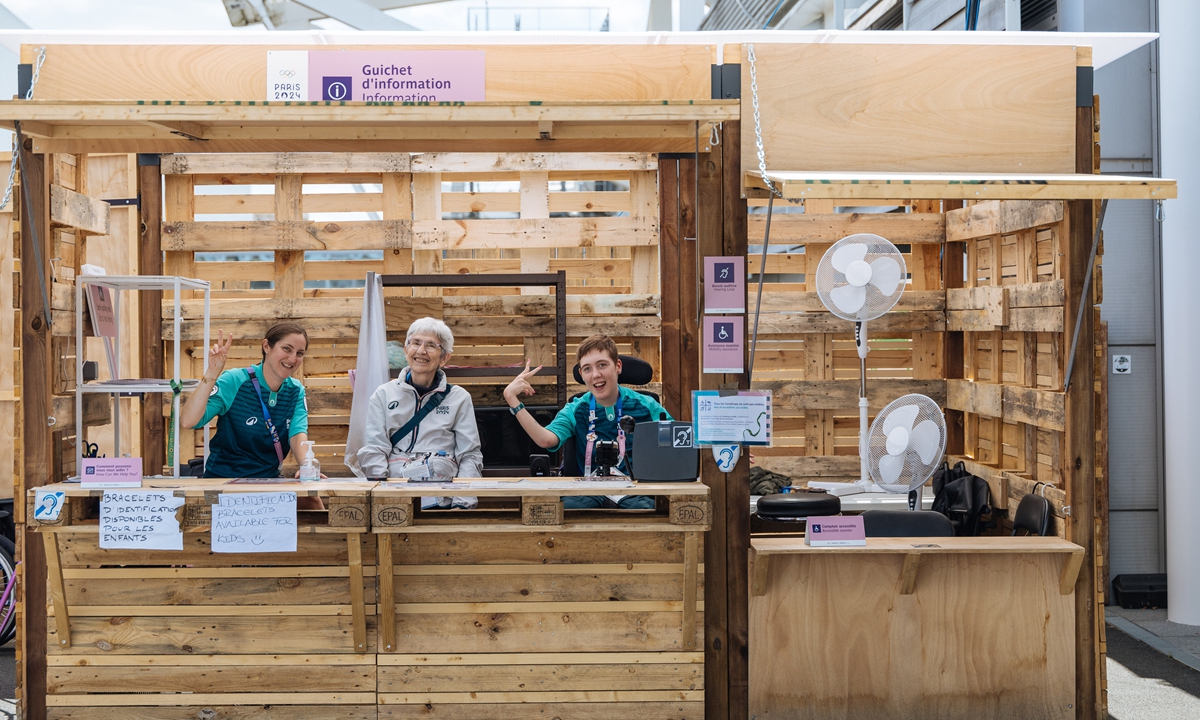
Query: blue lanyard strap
[
  {"x": 591, "y": 435},
  {"x": 267, "y": 417}
]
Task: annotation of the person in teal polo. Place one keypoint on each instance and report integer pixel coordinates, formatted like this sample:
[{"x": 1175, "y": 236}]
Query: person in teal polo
[{"x": 261, "y": 411}]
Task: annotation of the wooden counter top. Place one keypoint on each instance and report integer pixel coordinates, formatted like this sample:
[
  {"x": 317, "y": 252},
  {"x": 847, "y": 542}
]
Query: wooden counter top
[
  {"x": 913, "y": 548},
  {"x": 518, "y": 487}
]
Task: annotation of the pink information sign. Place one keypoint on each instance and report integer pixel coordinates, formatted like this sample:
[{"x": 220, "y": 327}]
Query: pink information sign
[
  {"x": 724, "y": 338},
  {"x": 111, "y": 472},
  {"x": 100, "y": 304},
  {"x": 725, "y": 284},
  {"x": 387, "y": 76},
  {"x": 835, "y": 530}
]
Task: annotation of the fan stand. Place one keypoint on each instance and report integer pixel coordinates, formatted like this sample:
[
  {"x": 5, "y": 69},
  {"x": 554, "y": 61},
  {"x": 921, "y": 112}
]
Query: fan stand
[{"x": 860, "y": 342}]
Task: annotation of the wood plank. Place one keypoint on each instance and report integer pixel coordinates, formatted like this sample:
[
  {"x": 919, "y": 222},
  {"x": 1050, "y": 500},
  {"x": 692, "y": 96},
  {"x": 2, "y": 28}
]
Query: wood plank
[
  {"x": 552, "y": 632},
  {"x": 776, "y": 301},
  {"x": 596, "y": 73},
  {"x": 203, "y": 587},
  {"x": 533, "y": 548},
  {"x": 213, "y": 635},
  {"x": 233, "y": 712},
  {"x": 150, "y": 341},
  {"x": 354, "y": 553},
  {"x": 285, "y": 163},
  {"x": 531, "y": 162},
  {"x": 289, "y": 264},
  {"x": 994, "y": 217},
  {"x": 554, "y": 696},
  {"x": 828, "y": 228},
  {"x": 933, "y": 92},
  {"x": 76, "y": 210},
  {"x": 691, "y": 561},
  {"x": 975, "y": 397},
  {"x": 214, "y": 677},
  {"x": 260, "y": 698},
  {"x": 1040, "y": 319},
  {"x": 843, "y": 394},
  {"x": 643, "y": 710},
  {"x": 58, "y": 595},
  {"x": 826, "y": 322},
  {"x": 1043, "y": 408},
  {"x": 522, "y": 677}
]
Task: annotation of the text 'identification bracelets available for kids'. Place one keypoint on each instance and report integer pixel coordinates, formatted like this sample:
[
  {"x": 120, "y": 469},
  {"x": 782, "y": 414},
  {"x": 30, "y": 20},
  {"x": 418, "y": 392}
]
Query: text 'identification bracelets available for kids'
[{"x": 267, "y": 418}]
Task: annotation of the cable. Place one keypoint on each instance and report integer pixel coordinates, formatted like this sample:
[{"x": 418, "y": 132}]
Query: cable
[{"x": 774, "y": 12}]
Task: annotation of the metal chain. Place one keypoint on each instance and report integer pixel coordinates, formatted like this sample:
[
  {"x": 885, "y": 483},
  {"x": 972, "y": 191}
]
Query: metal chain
[
  {"x": 758, "y": 141},
  {"x": 12, "y": 169}
]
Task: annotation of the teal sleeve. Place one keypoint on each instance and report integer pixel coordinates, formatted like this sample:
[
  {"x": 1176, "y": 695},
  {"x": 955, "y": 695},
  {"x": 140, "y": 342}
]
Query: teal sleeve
[
  {"x": 563, "y": 424},
  {"x": 300, "y": 414},
  {"x": 222, "y": 395},
  {"x": 657, "y": 411}
]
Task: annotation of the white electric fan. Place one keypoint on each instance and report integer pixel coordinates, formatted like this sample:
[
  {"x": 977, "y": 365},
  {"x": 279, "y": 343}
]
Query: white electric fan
[
  {"x": 905, "y": 445},
  {"x": 859, "y": 279}
]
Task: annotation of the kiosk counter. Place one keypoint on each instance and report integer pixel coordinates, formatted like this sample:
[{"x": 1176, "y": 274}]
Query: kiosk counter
[
  {"x": 382, "y": 610},
  {"x": 948, "y": 627}
]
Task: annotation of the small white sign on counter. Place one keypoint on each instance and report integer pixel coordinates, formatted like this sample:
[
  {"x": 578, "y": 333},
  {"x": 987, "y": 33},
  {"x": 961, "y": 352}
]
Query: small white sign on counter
[
  {"x": 140, "y": 520},
  {"x": 254, "y": 522}
]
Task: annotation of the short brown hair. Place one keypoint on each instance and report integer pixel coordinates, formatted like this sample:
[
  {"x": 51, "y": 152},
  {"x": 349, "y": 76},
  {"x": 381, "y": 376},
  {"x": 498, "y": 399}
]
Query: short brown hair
[
  {"x": 597, "y": 342},
  {"x": 282, "y": 330}
]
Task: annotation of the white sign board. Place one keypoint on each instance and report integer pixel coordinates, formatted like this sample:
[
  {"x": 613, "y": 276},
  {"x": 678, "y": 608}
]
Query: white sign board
[
  {"x": 743, "y": 418},
  {"x": 140, "y": 520},
  {"x": 254, "y": 523},
  {"x": 48, "y": 504}
]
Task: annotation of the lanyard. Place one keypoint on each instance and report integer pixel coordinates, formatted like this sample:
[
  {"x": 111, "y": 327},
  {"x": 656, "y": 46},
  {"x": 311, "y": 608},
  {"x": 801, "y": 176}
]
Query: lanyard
[
  {"x": 267, "y": 417},
  {"x": 591, "y": 436}
]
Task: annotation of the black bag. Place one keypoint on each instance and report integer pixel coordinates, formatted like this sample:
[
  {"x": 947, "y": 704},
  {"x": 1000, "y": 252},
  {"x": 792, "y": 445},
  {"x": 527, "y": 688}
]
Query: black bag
[{"x": 961, "y": 497}]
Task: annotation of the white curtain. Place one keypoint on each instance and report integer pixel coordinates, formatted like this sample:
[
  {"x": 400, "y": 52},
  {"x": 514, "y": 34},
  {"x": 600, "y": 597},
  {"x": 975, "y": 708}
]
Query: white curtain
[{"x": 371, "y": 370}]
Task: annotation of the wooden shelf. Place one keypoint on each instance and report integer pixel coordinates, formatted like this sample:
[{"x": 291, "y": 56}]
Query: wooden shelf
[{"x": 804, "y": 185}]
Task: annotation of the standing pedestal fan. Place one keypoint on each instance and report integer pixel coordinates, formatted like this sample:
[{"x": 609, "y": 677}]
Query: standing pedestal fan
[
  {"x": 906, "y": 444},
  {"x": 859, "y": 279}
]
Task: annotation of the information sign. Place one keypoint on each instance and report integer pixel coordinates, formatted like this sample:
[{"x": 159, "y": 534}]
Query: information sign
[
  {"x": 744, "y": 417},
  {"x": 254, "y": 522},
  {"x": 725, "y": 284},
  {"x": 385, "y": 76},
  {"x": 140, "y": 520},
  {"x": 723, "y": 342}
]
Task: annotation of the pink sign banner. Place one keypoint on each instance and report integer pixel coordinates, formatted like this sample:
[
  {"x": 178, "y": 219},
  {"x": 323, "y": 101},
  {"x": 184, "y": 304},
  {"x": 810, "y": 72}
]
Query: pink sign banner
[
  {"x": 386, "y": 76},
  {"x": 111, "y": 472},
  {"x": 100, "y": 304},
  {"x": 725, "y": 284},
  {"x": 723, "y": 341},
  {"x": 834, "y": 530}
]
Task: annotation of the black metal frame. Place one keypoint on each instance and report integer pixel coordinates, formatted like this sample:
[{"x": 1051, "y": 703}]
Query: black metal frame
[{"x": 558, "y": 280}]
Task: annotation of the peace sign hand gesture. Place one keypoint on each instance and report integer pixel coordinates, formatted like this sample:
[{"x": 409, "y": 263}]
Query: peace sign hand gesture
[
  {"x": 520, "y": 385},
  {"x": 217, "y": 355}
]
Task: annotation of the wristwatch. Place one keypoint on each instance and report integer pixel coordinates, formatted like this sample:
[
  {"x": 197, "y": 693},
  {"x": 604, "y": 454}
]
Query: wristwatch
[{"x": 514, "y": 410}]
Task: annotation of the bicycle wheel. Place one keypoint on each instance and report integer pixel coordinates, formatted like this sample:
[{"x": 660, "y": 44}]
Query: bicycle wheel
[{"x": 8, "y": 628}]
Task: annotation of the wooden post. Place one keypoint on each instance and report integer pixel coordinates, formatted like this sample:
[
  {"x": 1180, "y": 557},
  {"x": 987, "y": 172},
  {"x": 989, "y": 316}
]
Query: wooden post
[
  {"x": 150, "y": 262},
  {"x": 669, "y": 244},
  {"x": 737, "y": 482},
  {"x": 37, "y": 373},
  {"x": 953, "y": 348},
  {"x": 1079, "y": 466}
]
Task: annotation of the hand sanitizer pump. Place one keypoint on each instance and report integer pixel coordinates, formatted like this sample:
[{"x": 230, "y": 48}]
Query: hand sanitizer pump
[{"x": 310, "y": 467}]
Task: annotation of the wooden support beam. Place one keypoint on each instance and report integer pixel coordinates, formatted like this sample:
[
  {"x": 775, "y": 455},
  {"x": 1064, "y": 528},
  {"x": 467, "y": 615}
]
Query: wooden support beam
[
  {"x": 829, "y": 227},
  {"x": 58, "y": 596},
  {"x": 37, "y": 375},
  {"x": 359, "y": 611},
  {"x": 1080, "y": 442},
  {"x": 289, "y": 264},
  {"x": 387, "y": 591},
  {"x": 150, "y": 209},
  {"x": 691, "y": 580},
  {"x": 670, "y": 252}
]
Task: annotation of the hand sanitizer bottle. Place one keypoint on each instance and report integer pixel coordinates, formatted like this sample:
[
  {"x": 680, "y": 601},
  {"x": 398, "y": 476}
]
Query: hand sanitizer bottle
[{"x": 310, "y": 467}]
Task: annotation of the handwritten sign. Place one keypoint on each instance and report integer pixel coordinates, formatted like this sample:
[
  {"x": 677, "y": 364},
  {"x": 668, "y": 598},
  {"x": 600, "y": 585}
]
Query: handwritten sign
[
  {"x": 111, "y": 472},
  {"x": 383, "y": 76},
  {"x": 254, "y": 523},
  {"x": 140, "y": 520},
  {"x": 725, "y": 284}
]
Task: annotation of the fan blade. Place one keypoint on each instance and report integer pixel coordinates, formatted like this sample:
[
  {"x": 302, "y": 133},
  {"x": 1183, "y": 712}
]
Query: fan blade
[
  {"x": 890, "y": 467},
  {"x": 924, "y": 440},
  {"x": 901, "y": 417},
  {"x": 847, "y": 298},
  {"x": 847, "y": 254},
  {"x": 885, "y": 275}
]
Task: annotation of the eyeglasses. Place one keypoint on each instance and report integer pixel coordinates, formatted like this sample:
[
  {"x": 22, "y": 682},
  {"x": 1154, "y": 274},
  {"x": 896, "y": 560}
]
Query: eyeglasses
[{"x": 416, "y": 345}]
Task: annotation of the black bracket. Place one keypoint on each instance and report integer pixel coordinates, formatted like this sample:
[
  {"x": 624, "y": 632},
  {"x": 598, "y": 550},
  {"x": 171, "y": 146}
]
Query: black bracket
[
  {"x": 1084, "y": 86},
  {"x": 727, "y": 81},
  {"x": 117, "y": 202},
  {"x": 149, "y": 160},
  {"x": 24, "y": 79}
]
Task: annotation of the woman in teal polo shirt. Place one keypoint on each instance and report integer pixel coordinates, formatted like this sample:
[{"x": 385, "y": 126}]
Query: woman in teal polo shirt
[{"x": 261, "y": 412}]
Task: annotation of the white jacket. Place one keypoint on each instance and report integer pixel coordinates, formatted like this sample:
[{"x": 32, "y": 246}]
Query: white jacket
[{"x": 450, "y": 427}]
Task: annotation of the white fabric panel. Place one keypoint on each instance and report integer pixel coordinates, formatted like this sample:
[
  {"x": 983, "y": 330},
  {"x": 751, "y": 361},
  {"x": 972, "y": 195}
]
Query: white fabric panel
[{"x": 371, "y": 370}]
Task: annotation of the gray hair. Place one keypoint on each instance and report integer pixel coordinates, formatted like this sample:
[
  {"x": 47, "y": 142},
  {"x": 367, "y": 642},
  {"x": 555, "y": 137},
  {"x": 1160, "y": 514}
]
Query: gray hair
[{"x": 434, "y": 326}]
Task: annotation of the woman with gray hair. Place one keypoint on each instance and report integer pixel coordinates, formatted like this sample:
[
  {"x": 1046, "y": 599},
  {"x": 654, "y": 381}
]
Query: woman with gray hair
[{"x": 419, "y": 426}]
